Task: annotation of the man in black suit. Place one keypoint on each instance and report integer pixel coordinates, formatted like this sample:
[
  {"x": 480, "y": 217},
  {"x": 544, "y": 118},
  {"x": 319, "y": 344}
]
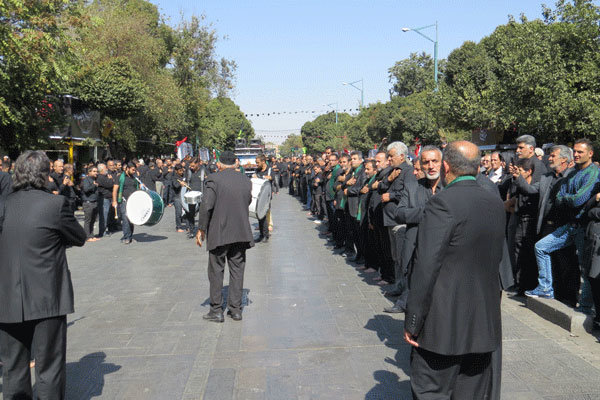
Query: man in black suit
[
  {"x": 35, "y": 288},
  {"x": 453, "y": 311},
  {"x": 223, "y": 220}
]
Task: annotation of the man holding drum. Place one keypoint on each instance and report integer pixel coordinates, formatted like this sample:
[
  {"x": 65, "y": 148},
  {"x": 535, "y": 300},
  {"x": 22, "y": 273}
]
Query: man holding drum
[
  {"x": 223, "y": 221},
  {"x": 125, "y": 185},
  {"x": 263, "y": 171}
]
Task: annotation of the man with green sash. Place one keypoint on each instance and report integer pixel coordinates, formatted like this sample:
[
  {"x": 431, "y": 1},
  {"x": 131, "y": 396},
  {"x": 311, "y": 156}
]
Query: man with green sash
[
  {"x": 127, "y": 184},
  {"x": 351, "y": 192},
  {"x": 334, "y": 172},
  {"x": 339, "y": 203}
]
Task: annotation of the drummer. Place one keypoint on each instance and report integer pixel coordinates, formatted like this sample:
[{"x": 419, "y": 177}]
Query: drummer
[
  {"x": 177, "y": 184},
  {"x": 264, "y": 172},
  {"x": 125, "y": 185},
  {"x": 195, "y": 176}
]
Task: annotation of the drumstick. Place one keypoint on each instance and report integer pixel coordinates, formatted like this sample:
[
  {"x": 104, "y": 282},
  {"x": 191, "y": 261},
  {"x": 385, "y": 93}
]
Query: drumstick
[
  {"x": 116, "y": 216},
  {"x": 184, "y": 184}
]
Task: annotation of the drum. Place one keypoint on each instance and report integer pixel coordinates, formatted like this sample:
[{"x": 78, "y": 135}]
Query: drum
[
  {"x": 192, "y": 197},
  {"x": 145, "y": 207},
  {"x": 261, "y": 198}
]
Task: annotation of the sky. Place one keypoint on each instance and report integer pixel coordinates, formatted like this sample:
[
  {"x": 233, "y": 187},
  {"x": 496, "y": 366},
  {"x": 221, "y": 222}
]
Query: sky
[{"x": 293, "y": 56}]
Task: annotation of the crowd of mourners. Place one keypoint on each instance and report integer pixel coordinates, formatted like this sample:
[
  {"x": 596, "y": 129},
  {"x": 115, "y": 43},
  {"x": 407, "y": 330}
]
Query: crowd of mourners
[
  {"x": 372, "y": 208},
  {"x": 101, "y": 189}
]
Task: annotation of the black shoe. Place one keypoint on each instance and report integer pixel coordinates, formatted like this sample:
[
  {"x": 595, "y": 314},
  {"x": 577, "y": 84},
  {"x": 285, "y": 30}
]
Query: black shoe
[
  {"x": 214, "y": 317},
  {"x": 596, "y": 324},
  {"x": 266, "y": 239},
  {"x": 393, "y": 293},
  {"x": 236, "y": 316},
  {"x": 395, "y": 309},
  {"x": 259, "y": 239}
]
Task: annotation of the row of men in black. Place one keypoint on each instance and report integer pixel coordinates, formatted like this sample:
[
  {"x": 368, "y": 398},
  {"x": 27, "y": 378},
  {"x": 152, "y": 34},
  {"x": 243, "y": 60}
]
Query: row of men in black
[{"x": 354, "y": 195}]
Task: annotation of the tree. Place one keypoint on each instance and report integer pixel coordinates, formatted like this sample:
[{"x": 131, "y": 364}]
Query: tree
[
  {"x": 292, "y": 144},
  {"x": 221, "y": 123},
  {"x": 414, "y": 75},
  {"x": 33, "y": 49}
]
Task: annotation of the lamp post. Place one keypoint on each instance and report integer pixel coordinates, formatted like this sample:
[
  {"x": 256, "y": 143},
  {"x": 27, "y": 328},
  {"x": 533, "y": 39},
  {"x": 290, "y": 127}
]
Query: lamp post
[
  {"x": 361, "y": 88},
  {"x": 335, "y": 109},
  {"x": 435, "y": 47}
]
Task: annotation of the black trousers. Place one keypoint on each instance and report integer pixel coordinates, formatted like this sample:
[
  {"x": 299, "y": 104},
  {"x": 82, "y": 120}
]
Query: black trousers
[
  {"x": 348, "y": 232},
  {"x": 235, "y": 255},
  {"x": 90, "y": 213},
  {"x": 526, "y": 271},
  {"x": 178, "y": 212},
  {"x": 439, "y": 377},
  {"x": 338, "y": 227},
  {"x": 47, "y": 340},
  {"x": 384, "y": 254},
  {"x": 263, "y": 227},
  {"x": 190, "y": 218},
  {"x": 595, "y": 285}
]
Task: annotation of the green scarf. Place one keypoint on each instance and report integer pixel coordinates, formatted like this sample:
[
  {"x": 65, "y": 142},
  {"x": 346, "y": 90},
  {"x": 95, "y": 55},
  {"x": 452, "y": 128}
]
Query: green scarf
[
  {"x": 360, "y": 203},
  {"x": 121, "y": 183},
  {"x": 461, "y": 178},
  {"x": 331, "y": 182}
]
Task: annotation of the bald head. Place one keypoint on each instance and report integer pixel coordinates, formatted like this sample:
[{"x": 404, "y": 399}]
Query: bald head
[{"x": 461, "y": 158}]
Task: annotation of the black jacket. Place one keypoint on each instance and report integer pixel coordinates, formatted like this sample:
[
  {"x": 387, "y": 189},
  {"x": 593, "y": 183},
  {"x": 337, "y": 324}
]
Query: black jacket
[
  {"x": 454, "y": 302},
  {"x": 36, "y": 282},
  {"x": 223, "y": 213}
]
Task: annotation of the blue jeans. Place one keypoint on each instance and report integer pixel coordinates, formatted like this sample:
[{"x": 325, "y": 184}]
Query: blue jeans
[
  {"x": 308, "y": 197},
  {"x": 103, "y": 209},
  {"x": 562, "y": 237},
  {"x": 127, "y": 226}
]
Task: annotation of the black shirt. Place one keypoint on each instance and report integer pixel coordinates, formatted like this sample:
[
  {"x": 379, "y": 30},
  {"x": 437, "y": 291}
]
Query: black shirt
[
  {"x": 130, "y": 185},
  {"x": 105, "y": 186}
]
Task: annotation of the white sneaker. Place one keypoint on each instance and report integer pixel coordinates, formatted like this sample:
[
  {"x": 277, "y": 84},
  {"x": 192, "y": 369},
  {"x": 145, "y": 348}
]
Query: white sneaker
[{"x": 318, "y": 222}]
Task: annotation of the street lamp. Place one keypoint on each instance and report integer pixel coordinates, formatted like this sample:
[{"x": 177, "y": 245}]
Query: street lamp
[
  {"x": 361, "y": 88},
  {"x": 335, "y": 109},
  {"x": 435, "y": 47}
]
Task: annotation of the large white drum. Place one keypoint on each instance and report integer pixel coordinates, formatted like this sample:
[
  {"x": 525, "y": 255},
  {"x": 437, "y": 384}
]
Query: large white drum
[
  {"x": 145, "y": 207},
  {"x": 261, "y": 198},
  {"x": 192, "y": 197}
]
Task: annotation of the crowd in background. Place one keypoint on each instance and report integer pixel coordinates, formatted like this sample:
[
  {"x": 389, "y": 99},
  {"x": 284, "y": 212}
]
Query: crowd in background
[{"x": 373, "y": 207}]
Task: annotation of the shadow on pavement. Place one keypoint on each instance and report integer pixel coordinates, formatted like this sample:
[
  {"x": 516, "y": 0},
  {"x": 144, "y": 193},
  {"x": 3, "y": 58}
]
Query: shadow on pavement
[
  {"x": 85, "y": 378},
  {"x": 245, "y": 299},
  {"x": 388, "y": 387},
  {"x": 144, "y": 237}
]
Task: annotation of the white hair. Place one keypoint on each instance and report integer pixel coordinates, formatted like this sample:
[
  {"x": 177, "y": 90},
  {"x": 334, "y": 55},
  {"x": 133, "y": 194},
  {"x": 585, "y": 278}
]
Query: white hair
[{"x": 399, "y": 147}]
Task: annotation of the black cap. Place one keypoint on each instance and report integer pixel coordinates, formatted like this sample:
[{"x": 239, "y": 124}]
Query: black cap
[{"x": 227, "y": 158}]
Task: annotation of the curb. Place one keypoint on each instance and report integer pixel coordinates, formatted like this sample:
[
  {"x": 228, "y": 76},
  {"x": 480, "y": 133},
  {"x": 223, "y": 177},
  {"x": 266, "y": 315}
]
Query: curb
[{"x": 562, "y": 315}]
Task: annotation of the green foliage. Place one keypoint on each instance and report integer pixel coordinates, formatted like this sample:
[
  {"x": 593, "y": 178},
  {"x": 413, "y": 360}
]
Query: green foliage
[
  {"x": 220, "y": 124},
  {"x": 113, "y": 87},
  {"x": 155, "y": 83},
  {"x": 292, "y": 145},
  {"x": 323, "y": 132},
  {"x": 32, "y": 46}
]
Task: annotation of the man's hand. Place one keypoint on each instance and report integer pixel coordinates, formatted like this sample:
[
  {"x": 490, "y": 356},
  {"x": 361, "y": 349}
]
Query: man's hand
[
  {"x": 385, "y": 197},
  {"x": 394, "y": 175},
  {"x": 410, "y": 339},
  {"x": 199, "y": 237},
  {"x": 341, "y": 178},
  {"x": 364, "y": 190},
  {"x": 375, "y": 185},
  {"x": 114, "y": 204},
  {"x": 514, "y": 171},
  {"x": 345, "y": 192},
  {"x": 598, "y": 197},
  {"x": 268, "y": 177},
  {"x": 351, "y": 181}
]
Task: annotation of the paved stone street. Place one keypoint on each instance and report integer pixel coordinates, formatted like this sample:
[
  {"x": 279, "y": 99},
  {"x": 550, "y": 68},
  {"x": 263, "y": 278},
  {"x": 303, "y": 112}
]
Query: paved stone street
[{"x": 313, "y": 327}]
